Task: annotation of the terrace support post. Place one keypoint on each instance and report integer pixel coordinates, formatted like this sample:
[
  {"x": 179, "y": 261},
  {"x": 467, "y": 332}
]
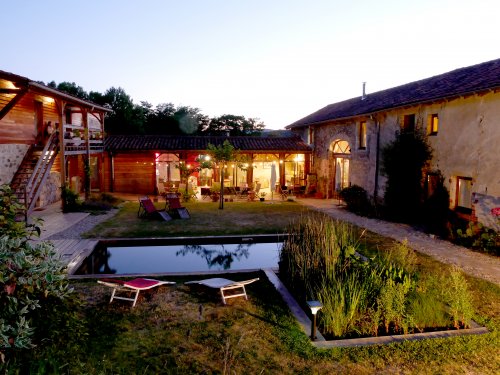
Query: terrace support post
[
  {"x": 62, "y": 148},
  {"x": 86, "y": 158}
]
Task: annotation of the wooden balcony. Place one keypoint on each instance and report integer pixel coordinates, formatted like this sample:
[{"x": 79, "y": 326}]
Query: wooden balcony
[{"x": 75, "y": 142}]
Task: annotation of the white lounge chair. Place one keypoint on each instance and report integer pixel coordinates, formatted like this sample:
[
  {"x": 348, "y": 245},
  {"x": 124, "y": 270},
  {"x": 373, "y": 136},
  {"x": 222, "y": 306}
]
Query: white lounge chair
[
  {"x": 135, "y": 285},
  {"x": 224, "y": 285}
]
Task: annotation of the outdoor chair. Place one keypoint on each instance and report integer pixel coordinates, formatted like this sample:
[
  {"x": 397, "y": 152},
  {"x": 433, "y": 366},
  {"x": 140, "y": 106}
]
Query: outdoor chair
[
  {"x": 135, "y": 285},
  {"x": 175, "y": 207},
  {"x": 225, "y": 285},
  {"x": 283, "y": 190},
  {"x": 148, "y": 209}
]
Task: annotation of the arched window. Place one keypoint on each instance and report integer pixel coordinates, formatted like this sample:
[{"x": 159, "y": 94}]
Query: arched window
[{"x": 340, "y": 147}]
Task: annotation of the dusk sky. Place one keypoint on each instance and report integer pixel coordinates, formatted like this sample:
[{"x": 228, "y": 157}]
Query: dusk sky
[{"x": 274, "y": 60}]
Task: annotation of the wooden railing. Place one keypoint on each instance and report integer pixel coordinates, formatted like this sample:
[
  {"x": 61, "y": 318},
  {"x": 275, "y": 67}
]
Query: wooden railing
[
  {"x": 40, "y": 173},
  {"x": 75, "y": 141}
]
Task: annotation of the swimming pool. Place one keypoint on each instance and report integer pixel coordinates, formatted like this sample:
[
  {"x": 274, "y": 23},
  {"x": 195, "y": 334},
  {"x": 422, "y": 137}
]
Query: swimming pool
[{"x": 182, "y": 255}]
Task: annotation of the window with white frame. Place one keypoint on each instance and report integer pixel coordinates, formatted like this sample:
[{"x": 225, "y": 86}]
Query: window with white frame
[{"x": 464, "y": 193}]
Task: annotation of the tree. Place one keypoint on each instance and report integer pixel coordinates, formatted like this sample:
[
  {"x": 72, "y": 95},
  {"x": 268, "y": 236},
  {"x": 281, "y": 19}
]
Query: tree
[
  {"x": 73, "y": 89},
  {"x": 126, "y": 118},
  {"x": 234, "y": 125},
  {"x": 220, "y": 155},
  {"x": 403, "y": 162}
]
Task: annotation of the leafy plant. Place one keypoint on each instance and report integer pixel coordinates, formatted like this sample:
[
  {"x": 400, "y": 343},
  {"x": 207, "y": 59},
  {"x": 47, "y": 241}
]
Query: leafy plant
[
  {"x": 356, "y": 199},
  {"x": 71, "y": 200},
  {"x": 477, "y": 236},
  {"x": 403, "y": 163},
  {"x": 31, "y": 278},
  {"x": 457, "y": 296}
]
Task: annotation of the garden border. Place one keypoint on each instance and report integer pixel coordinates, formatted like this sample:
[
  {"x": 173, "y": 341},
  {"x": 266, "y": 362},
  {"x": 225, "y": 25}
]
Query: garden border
[{"x": 321, "y": 342}]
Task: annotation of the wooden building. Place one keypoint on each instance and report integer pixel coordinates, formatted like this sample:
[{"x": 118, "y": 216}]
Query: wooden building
[
  {"x": 138, "y": 164},
  {"x": 46, "y": 139}
]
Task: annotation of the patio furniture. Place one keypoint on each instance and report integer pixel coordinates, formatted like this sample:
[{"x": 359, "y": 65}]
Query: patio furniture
[
  {"x": 225, "y": 285},
  {"x": 135, "y": 285},
  {"x": 283, "y": 191},
  {"x": 148, "y": 209},
  {"x": 175, "y": 207}
]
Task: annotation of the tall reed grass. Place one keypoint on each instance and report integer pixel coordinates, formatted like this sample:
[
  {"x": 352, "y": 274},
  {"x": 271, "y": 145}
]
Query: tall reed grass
[{"x": 319, "y": 260}]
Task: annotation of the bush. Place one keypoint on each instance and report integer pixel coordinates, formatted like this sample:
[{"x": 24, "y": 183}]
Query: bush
[
  {"x": 32, "y": 279},
  {"x": 356, "y": 199},
  {"x": 476, "y": 236},
  {"x": 436, "y": 210},
  {"x": 71, "y": 200}
]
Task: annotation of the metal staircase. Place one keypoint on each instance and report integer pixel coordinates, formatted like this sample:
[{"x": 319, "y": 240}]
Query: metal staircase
[{"x": 32, "y": 173}]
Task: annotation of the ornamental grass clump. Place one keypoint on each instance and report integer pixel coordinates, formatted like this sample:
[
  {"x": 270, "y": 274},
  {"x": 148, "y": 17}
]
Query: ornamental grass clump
[{"x": 385, "y": 294}]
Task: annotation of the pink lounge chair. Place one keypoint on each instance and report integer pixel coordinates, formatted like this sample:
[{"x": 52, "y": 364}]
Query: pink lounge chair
[
  {"x": 225, "y": 284},
  {"x": 148, "y": 209},
  {"x": 135, "y": 285}
]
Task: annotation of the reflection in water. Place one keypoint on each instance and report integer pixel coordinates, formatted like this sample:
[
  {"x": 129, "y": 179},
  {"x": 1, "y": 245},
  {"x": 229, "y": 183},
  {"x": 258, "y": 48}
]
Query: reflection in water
[
  {"x": 217, "y": 254},
  {"x": 180, "y": 258},
  {"x": 97, "y": 262}
]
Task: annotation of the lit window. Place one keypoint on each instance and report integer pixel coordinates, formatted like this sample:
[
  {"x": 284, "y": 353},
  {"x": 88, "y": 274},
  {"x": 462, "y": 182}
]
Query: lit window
[
  {"x": 408, "y": 124},
  {"x": 362, "y": 135},
  {"x": 433, "y": 126},
  {"x": 464, "y": 193},
  {"x": 310, "y": 135}
]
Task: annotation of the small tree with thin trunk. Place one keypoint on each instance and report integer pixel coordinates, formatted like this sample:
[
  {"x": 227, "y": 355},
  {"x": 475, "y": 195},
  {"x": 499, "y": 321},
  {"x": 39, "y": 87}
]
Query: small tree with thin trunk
[{"x": 220, "y": 155}]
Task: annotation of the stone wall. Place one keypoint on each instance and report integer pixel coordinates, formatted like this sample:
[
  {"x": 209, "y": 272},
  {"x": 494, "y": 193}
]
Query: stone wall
[
  {"x": 51, "y": 190},
  {"x": 11, "y": 156}
]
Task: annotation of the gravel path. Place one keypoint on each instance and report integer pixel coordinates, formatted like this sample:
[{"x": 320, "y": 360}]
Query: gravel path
[{"x": 476, "y": 264}]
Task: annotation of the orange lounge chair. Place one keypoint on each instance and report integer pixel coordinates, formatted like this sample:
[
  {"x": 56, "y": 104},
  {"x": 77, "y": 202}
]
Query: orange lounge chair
[
  {"x": 224, "y": 285},
  {"x": 135, "y": 285},
  {"x": 148, "y": 209}
]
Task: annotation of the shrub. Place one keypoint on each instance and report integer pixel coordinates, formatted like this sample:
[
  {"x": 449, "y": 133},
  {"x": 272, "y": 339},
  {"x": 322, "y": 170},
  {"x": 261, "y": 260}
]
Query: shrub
[
  {"x": 476, "y": 236},
  {"x": 403, "y": 161},
  {"x": 356, "y": 199},
  {"x": 32, "y": 279},
  {"x": 436, "y": 210},
  {"x": 456, "y": 294},
  {"x": 71, "y": 200}
]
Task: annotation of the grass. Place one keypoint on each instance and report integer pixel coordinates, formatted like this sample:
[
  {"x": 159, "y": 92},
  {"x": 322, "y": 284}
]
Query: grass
[
  {"x": 186, "y": 330},
  {"x": 206, "y": 219}
]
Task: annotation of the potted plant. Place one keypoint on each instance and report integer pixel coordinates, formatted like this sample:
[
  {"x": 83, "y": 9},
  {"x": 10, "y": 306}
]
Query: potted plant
[
  {"x": 215, "y": 191},
  {"x": 76, "y": 137},
  {"x": 262, "y": 196}
]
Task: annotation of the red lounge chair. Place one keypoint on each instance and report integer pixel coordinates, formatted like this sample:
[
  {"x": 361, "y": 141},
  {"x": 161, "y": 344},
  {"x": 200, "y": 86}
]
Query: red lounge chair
[
  {"x": 135, "y": 285},
  {"x": 148, "y": 209},
  {"x": 175, "y": 206}
]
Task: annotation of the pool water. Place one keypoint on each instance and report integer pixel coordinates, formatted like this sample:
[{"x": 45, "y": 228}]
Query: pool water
[{"x": 180, "y": 258}]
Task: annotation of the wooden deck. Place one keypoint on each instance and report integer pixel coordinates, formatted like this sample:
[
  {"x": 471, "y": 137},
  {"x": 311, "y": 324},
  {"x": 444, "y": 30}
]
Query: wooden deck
[{"x": 73, "y": 252}]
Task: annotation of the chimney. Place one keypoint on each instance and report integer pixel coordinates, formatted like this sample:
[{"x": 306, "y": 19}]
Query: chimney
[{"x": 363, "y": 97}]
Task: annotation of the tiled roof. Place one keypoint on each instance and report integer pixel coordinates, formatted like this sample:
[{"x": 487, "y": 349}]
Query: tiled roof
[
  {"x": 199, "y": 143},
  {"x": 476, "y": 78}
]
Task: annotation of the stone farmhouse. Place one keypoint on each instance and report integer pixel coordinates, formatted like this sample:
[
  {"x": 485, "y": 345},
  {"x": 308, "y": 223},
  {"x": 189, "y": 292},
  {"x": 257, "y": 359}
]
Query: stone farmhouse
[{"x": 459, "y": 112}]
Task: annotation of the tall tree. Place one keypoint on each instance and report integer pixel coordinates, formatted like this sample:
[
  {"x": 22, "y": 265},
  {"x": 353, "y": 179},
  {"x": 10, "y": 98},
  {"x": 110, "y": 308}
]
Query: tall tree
[
  {"x": 234, "y": 125},
  {"x": 403, "y": 162},
  {"x": 126, "y": 118}
]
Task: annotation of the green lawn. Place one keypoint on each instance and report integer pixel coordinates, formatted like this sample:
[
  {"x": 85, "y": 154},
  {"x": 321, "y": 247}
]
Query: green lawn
[
  {"x": 206, "y": 219},
  {"x": 186, "y": 330}
]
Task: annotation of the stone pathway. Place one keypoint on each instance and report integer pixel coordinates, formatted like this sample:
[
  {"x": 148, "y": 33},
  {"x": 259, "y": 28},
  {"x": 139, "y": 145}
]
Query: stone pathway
[{"x": 476, "y": 264}]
